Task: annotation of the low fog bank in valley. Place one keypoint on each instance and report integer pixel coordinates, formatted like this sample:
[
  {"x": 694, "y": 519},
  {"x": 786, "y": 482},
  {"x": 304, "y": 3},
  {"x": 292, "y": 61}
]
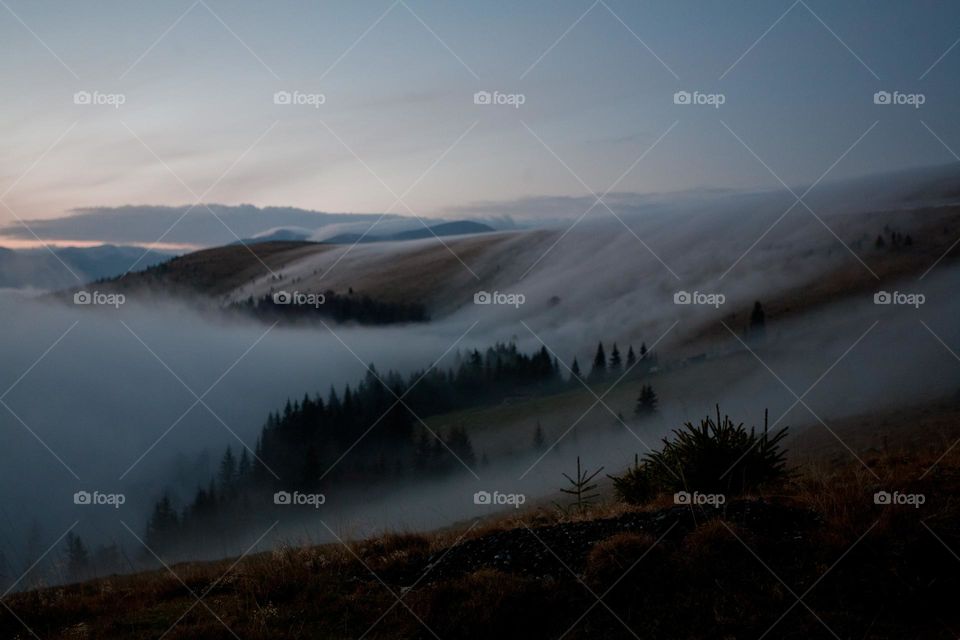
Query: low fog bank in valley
[{"x": 111, "y": 406}]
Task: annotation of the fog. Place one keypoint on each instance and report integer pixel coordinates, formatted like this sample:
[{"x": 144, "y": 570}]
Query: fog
[
  {"x": 854, "y": 357},
  {"x": 99, "y": 398}
]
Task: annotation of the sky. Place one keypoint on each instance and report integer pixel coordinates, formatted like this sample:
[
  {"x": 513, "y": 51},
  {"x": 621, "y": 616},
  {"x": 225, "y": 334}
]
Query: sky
[{"x": 183, "y": 105}]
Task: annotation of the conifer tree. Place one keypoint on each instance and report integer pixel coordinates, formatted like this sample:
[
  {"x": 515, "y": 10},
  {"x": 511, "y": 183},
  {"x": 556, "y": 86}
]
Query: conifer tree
[
  {"x": 78, "y": 560},
  {"x": 422, "y": 453},
  {"x": 615, "y": 361},
  {"x": 575, "y": 371},
  {"x": 538, "y": 439},
  {"x": 34, "y": 544},
  {"x": 228, "y": 470},
  {"x": 631, "y": 357},
  {"x": 163, "y": 524},
  {"x": 583, "y": 492},
  {"x": 459, "y": 443},
  {"x": 243, "y": 467},
  {"x": 647, "y": 402},
  {"x": 758, "y": 321},
  {"x": 599, "y": 369},
  {"x": 311, "y": 468}
]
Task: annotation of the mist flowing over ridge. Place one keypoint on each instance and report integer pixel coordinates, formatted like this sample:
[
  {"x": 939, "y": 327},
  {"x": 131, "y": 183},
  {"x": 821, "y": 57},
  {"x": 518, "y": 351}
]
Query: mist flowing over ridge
[{"x": 129, "y": 423}]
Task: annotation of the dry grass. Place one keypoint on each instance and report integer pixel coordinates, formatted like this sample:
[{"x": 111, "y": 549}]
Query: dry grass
[{"x": 875, "y": 572}]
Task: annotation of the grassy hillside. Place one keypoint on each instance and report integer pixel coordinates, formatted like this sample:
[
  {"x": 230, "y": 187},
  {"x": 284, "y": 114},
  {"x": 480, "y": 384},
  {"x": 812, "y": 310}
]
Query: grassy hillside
[
  {"x": 428, "y": 272},
  {"x": 815, "y": 557},
  {"x": 931, "y": 243},
  {"x": 214, "y": 272}
]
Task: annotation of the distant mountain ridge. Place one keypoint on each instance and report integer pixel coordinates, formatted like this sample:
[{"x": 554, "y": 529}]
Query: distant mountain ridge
[
  {"x": 43, "y": 269},
  {"x": 456, "y": 228},
  {"x": 209, "y": 224},
  {"x": 280, "y": 235}
]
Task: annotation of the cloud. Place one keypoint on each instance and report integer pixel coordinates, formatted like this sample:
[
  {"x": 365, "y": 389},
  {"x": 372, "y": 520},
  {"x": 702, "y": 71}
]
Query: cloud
[
  {"x": 145, "y": 224},
  {"x": 924, "y": 185}
]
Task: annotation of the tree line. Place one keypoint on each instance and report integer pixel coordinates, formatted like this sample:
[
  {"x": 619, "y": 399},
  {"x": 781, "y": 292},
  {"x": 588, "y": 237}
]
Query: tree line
[
  {"x": 348, "y": 307},
  {"x": 372, "y": 433}
]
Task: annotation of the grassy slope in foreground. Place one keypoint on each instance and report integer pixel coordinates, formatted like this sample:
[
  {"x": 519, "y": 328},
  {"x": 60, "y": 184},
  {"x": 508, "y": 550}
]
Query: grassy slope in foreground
[{"x": 864, "y": 570}]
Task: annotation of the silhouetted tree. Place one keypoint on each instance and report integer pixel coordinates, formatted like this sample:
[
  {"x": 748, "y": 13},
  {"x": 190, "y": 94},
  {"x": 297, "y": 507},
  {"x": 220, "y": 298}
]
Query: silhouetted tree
[
  {"x": 163, "y": 525},
  {"x": 78, "y": 560},
  {"x": 423, "y": 453},
  {"x": 228, "y": 469},
  {"x": 311, "y": 468},
  {"x": 538, "y": 439},
  {"x": 631, "y": 357},
  {"x": 34, "y": 550},
  {"x": 459, "y": 443},
  {"x": 243, "y": 467},
  {"x": 580, "y": 488},
  {"x": 758, "y": 321},
  {"x": 615, "y": 361},
  {"x": 599, "y": 369},
  {"x": 575, "y": 371},
  {"x": 647, "y": 402}
]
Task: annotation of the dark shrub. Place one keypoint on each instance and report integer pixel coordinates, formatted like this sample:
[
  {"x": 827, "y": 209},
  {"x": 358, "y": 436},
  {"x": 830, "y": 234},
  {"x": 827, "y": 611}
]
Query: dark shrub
[
  {"x": 637, "y": 485},
  {"x": 717, "y": 456}
]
